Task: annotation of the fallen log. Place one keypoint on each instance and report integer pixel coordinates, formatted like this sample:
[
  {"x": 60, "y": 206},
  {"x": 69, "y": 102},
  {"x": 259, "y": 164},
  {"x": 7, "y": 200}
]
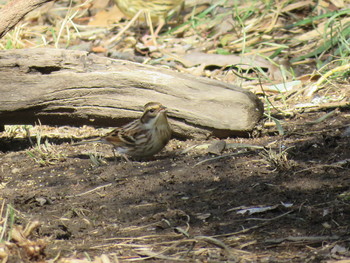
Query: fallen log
[
  {"x": 66, "y": 87},
  {"x": 14, "y": 11}
]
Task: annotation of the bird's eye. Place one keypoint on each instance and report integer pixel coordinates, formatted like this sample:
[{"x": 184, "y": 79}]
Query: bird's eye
[{"x": 152, "y": 110}]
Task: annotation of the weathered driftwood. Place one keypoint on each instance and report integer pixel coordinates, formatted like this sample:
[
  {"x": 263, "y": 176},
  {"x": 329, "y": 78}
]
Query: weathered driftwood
[
  {"x": 14, "y": 11},
  {"x": 65, "y": 87}
]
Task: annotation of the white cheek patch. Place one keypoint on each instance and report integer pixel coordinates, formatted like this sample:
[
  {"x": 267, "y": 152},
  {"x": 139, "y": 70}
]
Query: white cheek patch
[{"x": 150, "y": 124}]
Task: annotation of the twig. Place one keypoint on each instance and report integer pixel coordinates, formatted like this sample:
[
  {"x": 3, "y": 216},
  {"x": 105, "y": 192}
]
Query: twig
[
  {"x": 213, "y": 241},
  {"x": 338, "y": 165},
  {"x": 325, "y": 106},
  {"x": 220, "y": 244},
  {"x": 302, "y": 238},
  {"x": 90, "y": 191},
  {"x": 322, "y": 118},
  {"x": 219, "y": 157},
  {"x": 149, "y": 254},
  {"x": 324, "y": 77},
  {"x": 2, "y": 209},
  {"x": 4, "y": 225},
  {"x": 253, "y": 227}
]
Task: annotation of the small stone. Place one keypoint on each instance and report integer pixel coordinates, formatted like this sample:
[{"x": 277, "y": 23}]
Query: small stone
[
  {"x": 15, "y": 170},
  {"x": 217, "y": 147}
]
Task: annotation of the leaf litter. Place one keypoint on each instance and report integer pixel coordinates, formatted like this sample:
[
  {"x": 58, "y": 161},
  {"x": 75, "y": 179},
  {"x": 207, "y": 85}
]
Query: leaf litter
[{"x": 175, "y": 208}]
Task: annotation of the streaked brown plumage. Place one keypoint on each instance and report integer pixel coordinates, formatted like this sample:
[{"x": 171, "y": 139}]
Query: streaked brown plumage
[
  {"x": 143, "y": 137},
  {"x": 158, "y": 10}
]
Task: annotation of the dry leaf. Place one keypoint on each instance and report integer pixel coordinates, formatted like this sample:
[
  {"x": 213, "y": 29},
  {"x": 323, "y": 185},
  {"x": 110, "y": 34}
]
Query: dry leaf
[
  {"x": 297, "y": 5},
  {"x": 99, "y": 49},
  {"x": 100, "y": 4},
  {"x": 338, "y": 3},
  {"x": 105, "y": 18}
]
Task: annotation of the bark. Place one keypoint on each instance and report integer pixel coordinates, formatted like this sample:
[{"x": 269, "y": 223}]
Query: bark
[
  {"x": 65, "y": 87},
  {"x": 14, "y": 11}
]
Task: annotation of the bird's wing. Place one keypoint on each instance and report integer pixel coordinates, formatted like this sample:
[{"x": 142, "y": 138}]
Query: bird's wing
[{"x": 127, "y": 134}]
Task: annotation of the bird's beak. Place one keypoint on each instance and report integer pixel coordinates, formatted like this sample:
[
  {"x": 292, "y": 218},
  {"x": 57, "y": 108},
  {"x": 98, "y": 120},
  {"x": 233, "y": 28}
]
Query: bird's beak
[{"x": 163, "y": 109}]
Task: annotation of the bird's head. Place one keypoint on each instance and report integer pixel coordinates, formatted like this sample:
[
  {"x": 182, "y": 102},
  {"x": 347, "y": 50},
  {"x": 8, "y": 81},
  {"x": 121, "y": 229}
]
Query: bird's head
[{"x": 153, "y": 112}]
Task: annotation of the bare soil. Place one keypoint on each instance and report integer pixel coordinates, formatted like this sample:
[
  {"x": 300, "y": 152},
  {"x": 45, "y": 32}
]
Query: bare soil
[{"x": 174, "y": 208}]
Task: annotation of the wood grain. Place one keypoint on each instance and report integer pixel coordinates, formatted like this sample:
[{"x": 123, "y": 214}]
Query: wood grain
[
  {"x": 65, "y": 87},
  {"x": 14, "y": 11}
]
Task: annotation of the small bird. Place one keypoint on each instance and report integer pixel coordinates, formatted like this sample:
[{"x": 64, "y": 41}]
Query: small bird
[
  {"x": 155, "y": 11},
  {"x": 142, "y": 137}
]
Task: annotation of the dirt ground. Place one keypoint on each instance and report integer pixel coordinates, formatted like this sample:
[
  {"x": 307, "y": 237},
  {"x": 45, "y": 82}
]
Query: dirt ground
[
  {"x": 185, "y": 204},
  {"x": 268, "y": 198}
]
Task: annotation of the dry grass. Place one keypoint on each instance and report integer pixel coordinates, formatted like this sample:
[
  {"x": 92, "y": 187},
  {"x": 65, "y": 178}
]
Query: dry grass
[{"x": 306, "y": 43}]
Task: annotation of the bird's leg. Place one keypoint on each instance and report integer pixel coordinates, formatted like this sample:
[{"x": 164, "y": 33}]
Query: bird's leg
[
  {"x": 161, "y": 23},
  {"x": 122, "y": 154},
  {"x": 115, "y": 156},
  {"x": 126, "y": 158},
  {"x": 145, "y": 39}
]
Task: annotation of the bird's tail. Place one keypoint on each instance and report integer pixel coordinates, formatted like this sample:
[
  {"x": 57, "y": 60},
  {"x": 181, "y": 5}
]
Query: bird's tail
[{"x": 89, "y": 141}]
